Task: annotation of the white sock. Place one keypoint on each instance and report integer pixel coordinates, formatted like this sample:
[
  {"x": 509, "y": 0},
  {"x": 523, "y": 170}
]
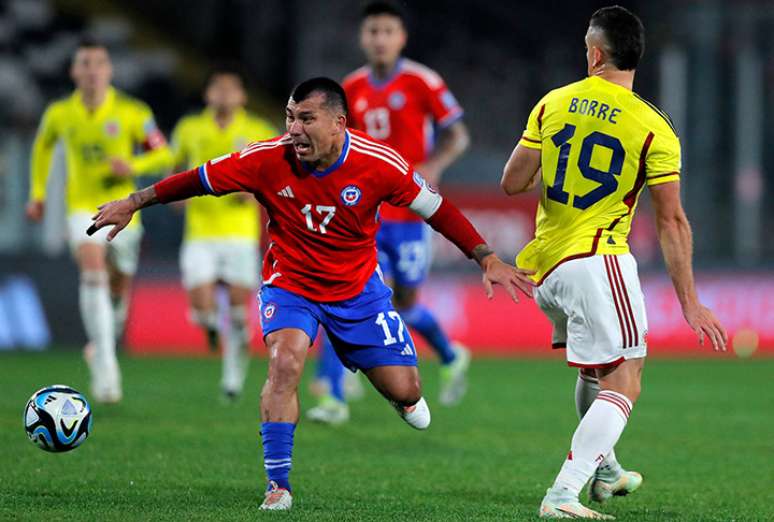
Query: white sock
[
  {"x": 97, "y": 315},
  {"x": 595, "y": 437},
  {"x": 236, "y": 356},
  {"x": 586, "y": 390},
  {"x": 119, "y": 314}
]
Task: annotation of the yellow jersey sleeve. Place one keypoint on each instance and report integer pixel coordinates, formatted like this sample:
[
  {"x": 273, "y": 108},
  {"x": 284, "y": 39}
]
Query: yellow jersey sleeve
[
  {"x": 662, "y": 163},
  {"x": 532, "y": 137},
  {"x": 158, "y": 156},
  {"x": 42, "y": 153}
]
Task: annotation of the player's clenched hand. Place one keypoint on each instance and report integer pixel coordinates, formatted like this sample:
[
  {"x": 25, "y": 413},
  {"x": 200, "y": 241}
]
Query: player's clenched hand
[
  {"x": 704, "y": 323},
  {"x": 120, "y": 167},
  {"x": 117, "y": 213},
  {"x": 511, "y": 278},
  {"x": 35, "y": 210}
]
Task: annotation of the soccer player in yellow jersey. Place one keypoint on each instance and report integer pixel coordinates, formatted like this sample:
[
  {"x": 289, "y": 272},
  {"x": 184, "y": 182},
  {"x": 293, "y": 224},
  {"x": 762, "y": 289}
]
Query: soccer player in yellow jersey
[
  {"x": 100, "y": 128},
  {"x": 595, "y": 144},
  {"x": 221, "y": 234}
]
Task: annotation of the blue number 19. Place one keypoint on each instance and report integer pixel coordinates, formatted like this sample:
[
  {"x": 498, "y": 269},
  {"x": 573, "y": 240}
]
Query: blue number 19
[{"x": 606, "y": 179}]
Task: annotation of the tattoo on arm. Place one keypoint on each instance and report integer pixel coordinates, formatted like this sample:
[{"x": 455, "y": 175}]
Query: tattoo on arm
[
  {"x": 144, "y": 198},
  {"x": 481, "y": 251}
]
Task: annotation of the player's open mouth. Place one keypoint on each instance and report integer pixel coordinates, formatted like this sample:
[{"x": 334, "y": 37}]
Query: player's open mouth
[{"x": 302, "y": 148}]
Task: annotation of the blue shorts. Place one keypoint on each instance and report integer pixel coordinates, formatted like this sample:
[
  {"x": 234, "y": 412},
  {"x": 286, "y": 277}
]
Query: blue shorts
[
  {"x": 365, "y": 330},
  {"x": 404, "y": 251}
]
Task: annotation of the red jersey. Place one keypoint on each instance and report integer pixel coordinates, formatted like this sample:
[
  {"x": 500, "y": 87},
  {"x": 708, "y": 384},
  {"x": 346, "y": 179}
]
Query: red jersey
[
  {"x": 322, "y": 225},
  {"x": 404, "y": 110}
]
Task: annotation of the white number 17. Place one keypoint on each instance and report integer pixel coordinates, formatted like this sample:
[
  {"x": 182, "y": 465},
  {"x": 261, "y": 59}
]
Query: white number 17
[
  {"x": 382, "y": 321},
  {"x": 320, "y": 209}
]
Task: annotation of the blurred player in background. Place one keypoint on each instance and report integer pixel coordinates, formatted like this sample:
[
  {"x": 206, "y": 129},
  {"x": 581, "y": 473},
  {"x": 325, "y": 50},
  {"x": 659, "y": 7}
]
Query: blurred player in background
[
  {"x": 100, "y": 128},
  {"x": 404, "y": 104},
  {"x": 595, "y": 144},
  {"x": 220, "y": 243},
  {"x": 322, "y": 184}
]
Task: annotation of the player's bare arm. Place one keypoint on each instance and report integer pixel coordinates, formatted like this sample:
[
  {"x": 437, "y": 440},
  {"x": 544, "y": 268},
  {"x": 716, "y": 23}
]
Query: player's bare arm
[
  {"x": 118, "y": 213},
  {"x": 522, "y": 171},
  {"x": 674, "y": 234},
  {"x": 452, "y": 143}
]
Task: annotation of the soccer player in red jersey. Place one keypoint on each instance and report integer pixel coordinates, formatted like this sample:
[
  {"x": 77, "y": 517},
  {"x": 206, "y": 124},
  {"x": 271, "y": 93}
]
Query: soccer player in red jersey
[
  {"x": 407, "y": 105},
  {"x": 322, "y": 184}
]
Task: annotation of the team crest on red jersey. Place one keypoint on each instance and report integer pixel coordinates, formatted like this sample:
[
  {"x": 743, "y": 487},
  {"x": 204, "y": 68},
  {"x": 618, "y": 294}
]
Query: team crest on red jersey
[
  {"x": 268, "y": 311},
  {"x": 350, "y": 195},
  {"x": 397, "y": 100}
]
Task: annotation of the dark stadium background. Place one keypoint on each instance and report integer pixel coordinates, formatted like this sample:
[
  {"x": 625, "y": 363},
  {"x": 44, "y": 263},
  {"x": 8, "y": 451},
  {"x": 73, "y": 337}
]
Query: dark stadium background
[{"x": 710, "y": 64}]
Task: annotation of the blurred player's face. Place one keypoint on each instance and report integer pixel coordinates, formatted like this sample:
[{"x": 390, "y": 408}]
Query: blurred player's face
[
  {"x": 225, "y": 93},
  {"x": 382, "y": 38},
  {"x": 91, "y": 69},
  {"x": 315, "y": 129}
]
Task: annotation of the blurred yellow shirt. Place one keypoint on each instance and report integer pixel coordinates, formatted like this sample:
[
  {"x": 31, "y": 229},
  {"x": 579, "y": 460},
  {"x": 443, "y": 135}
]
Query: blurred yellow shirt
[
  {"x": 600, "y": 145},
  {"x": 197, "y": 139},
  {"x": 117, "y": 128}
]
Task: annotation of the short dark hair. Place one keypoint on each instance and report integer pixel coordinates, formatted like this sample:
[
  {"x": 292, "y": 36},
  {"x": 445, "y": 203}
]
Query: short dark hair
[
  {"x": 382, "y": 8},
  {"x": 624, "y": 33},
  {"x": 335, "y": 98},
  {"x": 226, "y": 69},
  {"x": 88, "y": 41}
]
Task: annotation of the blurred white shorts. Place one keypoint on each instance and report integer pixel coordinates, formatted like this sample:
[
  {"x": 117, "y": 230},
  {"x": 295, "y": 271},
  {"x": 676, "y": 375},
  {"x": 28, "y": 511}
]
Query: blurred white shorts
[
  {"x": 597, "y": 310},
  {"x": 123, "y": 252},
  {"x": 234, "y": 262}
]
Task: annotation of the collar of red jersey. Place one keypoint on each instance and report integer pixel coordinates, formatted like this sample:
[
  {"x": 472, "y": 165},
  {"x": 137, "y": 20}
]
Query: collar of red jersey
[
  {"x": 339, "y": 162},
  {"x": 381, "y": 83}
]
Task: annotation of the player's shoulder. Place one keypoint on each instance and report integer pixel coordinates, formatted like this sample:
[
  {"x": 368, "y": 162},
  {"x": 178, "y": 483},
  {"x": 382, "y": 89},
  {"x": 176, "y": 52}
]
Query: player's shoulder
[
  {"x": 373, "y": 150},
  {"x": 652, "y": 115},
  {"x": 267, "y": 148},
  {"x": 356, "y": 77},
  {"x": 60, "y": 105},
  {"x": 427, "y": 76},
  {"x": 126, "y": 101}
]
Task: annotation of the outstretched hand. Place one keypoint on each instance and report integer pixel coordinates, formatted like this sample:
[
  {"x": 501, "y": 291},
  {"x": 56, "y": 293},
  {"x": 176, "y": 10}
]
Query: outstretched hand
[
  {"x": 705, "y": 324},
  {"x": 511, "y": 278},
  {"x": 118, "y": 213}
]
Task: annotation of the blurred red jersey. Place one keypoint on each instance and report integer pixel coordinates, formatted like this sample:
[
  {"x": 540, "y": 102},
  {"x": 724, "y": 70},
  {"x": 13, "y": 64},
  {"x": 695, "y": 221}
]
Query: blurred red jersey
[
  {"x": 322, "y": 225},
  {"x": 404, "y": 111}
]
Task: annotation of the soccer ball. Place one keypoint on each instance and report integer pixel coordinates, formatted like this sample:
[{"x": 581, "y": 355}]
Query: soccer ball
[{"x": 57, "y": 418}]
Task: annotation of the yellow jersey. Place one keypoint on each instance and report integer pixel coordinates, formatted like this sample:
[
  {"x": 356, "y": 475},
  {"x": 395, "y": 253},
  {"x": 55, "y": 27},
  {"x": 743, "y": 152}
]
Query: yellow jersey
[
  {"x": 117, "y": 128},
  {"x": 600, "y": 144},
  {"x": 197, "y": 139}
]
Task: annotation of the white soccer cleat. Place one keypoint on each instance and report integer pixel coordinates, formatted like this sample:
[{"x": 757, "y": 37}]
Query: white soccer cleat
[
  {"x": 416, "y": 416},
  {"x": 329, "y": 411},
  {"x": 602, "y": 489},
  {"x": 454, "y": 377},
  {"x": 277, "y": 499},
  {"x": 557, "y": 505},
  {"x": 353, "y": 386}
]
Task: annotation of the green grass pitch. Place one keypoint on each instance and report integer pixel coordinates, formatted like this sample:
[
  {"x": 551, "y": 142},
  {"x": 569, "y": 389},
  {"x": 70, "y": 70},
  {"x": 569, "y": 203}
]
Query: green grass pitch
[{"x": 702, "y": 435}]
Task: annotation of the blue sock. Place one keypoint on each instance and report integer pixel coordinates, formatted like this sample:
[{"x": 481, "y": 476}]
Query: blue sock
[
  {"x": 422, "y": 320},
  {"x": 277, "y": 451},
  {"x": 330, "y": 369}
]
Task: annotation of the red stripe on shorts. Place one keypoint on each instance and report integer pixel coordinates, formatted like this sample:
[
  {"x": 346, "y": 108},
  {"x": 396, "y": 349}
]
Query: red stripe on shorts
[
  {"x": 628, "y": 303},
  {"x": 614, "y": 291}
]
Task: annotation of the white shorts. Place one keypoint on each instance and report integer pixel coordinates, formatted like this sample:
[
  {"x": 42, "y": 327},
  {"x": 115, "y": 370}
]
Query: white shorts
[
  {"x": 235, "y": 262},
  {"x": 123, "y": 252},
  {"x": 597, "y": 310}
]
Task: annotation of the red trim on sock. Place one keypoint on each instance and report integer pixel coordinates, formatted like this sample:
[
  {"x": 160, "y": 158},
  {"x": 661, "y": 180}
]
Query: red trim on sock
[{"x": 615, "y": 399}]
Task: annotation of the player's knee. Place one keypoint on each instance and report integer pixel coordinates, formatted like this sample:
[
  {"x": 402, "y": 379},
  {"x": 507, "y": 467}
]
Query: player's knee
[
  {"x": 407, "y": 392},
  {"x": 284, "y": 372}
]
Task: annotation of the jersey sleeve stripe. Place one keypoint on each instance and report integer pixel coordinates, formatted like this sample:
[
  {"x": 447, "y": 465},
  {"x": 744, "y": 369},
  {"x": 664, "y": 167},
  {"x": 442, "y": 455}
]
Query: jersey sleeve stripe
[
  {"x": 426, "y": 74},
  {"x": 540, "y": 116},
  {"x": 204, "y": 178},
  {"x": 377, "y": 147},
  {"x": 263, "y": 146},
  {"x": 453, "y": 117},
  {"x": 525, "y": 138},
  {"x": 657, "y": 176},
  {"x": 401, "y": 169}
]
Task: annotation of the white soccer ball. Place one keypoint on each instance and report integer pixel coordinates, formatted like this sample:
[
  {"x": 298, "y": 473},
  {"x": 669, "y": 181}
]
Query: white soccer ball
[{"x": 57, "y": 418}]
